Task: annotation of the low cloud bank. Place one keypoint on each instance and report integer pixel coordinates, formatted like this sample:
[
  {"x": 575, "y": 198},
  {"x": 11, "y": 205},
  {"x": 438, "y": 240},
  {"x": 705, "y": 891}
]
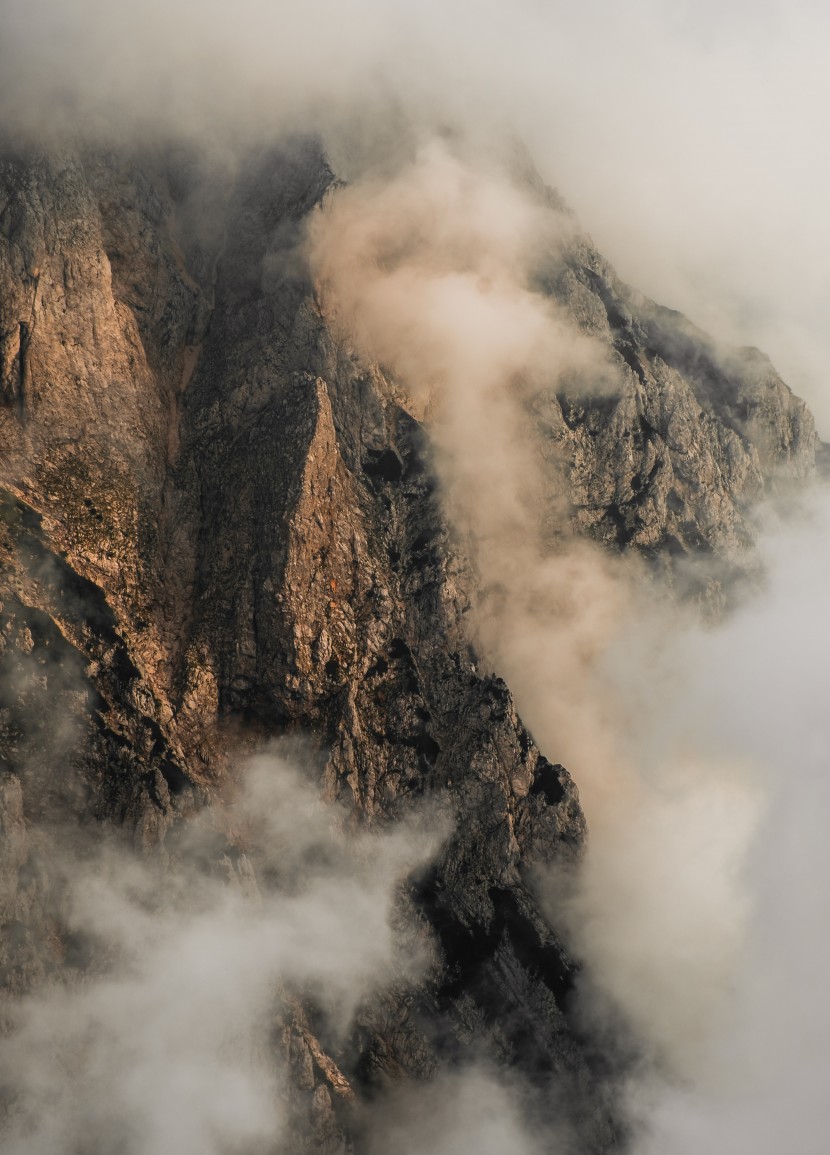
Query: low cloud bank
[
  {"x": 166, "y": 1041},
  {"x": 757, "y": 688}
]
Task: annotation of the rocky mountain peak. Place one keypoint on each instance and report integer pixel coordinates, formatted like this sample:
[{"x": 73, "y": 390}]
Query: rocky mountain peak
[{"x": 221, "y": 525}]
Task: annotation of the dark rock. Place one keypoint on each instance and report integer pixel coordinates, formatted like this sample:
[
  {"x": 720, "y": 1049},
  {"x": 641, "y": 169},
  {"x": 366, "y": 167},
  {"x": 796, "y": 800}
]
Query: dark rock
[{"x": 217, "y": 526}]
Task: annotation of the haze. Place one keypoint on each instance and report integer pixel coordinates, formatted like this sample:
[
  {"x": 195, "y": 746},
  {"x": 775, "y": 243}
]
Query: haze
[{"x": 688, "y": 137}]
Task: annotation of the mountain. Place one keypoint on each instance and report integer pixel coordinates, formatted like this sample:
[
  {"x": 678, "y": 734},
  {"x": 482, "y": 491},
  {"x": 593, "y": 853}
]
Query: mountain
[{"x": 220, "y": 526}]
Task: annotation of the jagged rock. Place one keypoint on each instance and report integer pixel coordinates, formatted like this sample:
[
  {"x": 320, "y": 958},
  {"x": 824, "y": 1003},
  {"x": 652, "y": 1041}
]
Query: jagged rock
[
  {"x": 218, "y": 526},
  {"x": 671, "y": 463}
]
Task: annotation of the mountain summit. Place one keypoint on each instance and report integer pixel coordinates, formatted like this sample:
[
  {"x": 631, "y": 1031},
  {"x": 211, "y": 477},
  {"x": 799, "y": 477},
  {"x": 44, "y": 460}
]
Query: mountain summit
[{"x": 223, "y": 525}]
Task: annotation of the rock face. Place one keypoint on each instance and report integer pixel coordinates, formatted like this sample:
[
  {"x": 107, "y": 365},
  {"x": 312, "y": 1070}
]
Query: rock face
[
  {"x": 672, "y": 463},
  {"x": 217, "y": 526}
]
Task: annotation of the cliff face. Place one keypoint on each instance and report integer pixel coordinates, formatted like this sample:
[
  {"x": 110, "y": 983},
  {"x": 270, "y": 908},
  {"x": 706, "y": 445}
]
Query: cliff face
[{"x": 217, "y": 526}]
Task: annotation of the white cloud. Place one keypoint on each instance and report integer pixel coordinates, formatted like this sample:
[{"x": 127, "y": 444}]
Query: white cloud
[{"x": 165, "y": 1042}]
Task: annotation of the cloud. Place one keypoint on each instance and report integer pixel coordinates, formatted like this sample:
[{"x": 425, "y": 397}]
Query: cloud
[
  {"x": 475, "y": 1111},
  {"x": 683, "y": 135},
  {"x": 685, "y": 138},
  {"x": 679, "y": 734},
  {"x": 166, "y": 1040},
  {"x": 430, "y": 274},
  {"x": 756, "y": 686}
]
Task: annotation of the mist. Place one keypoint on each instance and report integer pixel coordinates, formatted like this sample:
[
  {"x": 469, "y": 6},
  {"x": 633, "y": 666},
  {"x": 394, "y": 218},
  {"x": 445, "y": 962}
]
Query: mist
[
  {"x": 474, "y": 1110},
  {"x": 454, "y": 315},
  {"x": 685, "y": 139},
  {"x": 681, "y": 738},
  {"x": 755, "y": 690},
  {"x": 196, "y": 961}
]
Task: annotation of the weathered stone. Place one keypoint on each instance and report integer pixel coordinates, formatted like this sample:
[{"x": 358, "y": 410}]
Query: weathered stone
[{"x": 218, "y": 526}]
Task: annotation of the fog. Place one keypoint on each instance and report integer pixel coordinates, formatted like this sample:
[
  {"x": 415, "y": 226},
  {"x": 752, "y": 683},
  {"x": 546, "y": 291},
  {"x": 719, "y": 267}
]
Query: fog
[
  {"x": 686, "y": 136},
  {"x": 687, "y": 139},
  {"x": 756, "y": 690},
  {"x": 682, "y": 735},
  {"x": 169, "y": 1039},
  {"x": 475, "y": 1110}
]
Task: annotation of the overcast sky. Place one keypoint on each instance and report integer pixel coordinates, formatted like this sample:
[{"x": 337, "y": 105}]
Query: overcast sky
[
  {"x": 690, "y": 137},
  {"x": 694, "y": 149}
]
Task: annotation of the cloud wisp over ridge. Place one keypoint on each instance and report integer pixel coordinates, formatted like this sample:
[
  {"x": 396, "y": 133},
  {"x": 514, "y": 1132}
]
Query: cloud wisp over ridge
[
  {"x": 651, "y": 709},
  {"x": 686, "y": 140},
  {"x": 685, "y": 136}
]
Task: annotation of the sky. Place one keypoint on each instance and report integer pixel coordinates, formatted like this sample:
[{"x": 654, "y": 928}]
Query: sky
[
  {"x": 689, "y": 138},
  {"x": 693, "y": 153}
]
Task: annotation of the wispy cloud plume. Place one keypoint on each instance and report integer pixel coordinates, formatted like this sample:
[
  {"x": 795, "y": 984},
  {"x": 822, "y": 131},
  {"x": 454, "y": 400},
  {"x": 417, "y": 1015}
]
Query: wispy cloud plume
[
  {"x": 166, "y": 1039},
  {"x": 646, "y": 705}
]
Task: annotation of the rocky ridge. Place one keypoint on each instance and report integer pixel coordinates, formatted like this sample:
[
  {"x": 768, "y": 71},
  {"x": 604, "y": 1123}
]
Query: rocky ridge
[{"x": 219, "y": 526}]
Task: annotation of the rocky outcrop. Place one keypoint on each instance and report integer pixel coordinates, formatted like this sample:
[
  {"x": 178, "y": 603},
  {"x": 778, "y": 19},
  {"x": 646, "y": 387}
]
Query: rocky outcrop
[
  {"x": 218, "y": 526},
  {"x": 671, "y": 463}
]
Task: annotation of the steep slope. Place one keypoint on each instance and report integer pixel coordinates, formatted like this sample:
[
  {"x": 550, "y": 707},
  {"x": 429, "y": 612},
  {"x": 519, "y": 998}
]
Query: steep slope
[
  {"x": 696, "y": 434},
  {"x": 218, "y": 526}
]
